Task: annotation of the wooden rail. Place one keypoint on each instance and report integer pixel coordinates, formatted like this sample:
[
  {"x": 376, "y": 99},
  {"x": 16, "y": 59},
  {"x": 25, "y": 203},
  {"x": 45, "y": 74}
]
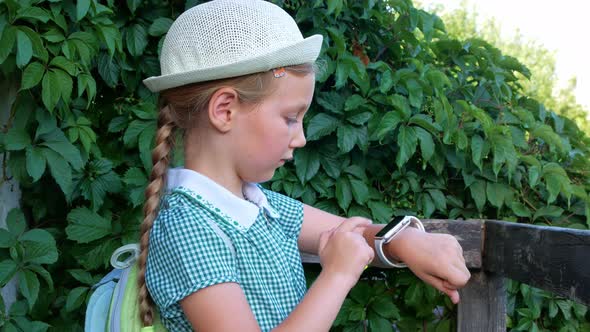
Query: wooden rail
[{"x": 551, "y": 258}]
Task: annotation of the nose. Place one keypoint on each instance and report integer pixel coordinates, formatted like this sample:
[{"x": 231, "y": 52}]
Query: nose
[{"x": 299, "y": 140}]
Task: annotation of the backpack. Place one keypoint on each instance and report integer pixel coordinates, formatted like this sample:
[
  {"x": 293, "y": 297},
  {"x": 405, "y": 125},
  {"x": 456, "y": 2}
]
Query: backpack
[{"x": 113, "y": 305}]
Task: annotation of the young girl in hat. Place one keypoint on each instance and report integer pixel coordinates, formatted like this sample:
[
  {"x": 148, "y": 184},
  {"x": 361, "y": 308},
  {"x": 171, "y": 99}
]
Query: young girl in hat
[{"x": 219, "y": 252}]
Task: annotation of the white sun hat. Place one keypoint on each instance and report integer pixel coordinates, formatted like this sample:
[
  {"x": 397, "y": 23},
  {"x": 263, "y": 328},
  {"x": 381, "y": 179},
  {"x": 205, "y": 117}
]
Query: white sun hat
[{"x": 228, "y": 38}]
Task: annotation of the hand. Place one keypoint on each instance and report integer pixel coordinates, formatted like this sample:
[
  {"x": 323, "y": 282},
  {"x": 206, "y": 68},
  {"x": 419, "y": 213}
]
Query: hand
[
  {"x": 344, "y": 251},
  {"x": 435, "y": 258}
]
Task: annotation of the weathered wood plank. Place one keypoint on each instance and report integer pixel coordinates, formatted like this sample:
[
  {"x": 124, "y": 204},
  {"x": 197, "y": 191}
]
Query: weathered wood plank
[
  {"x": 551, "y": 258},
  {"x": 483, "y": 304},
  {"x": 467, "y": 232}
]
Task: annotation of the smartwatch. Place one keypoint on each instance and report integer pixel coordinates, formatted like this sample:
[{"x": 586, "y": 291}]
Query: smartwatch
[{"x": 386, "y": 234}]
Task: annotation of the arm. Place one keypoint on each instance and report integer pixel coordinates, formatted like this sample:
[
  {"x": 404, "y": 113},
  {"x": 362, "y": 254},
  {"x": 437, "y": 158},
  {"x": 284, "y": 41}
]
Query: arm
[
  {"x": 435, "y": 258},
  {"x": 343, "y": 254}
]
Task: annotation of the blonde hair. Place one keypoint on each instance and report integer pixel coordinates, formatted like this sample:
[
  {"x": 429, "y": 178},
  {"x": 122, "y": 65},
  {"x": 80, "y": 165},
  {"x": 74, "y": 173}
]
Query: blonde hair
[{"x": 177, "y": 112}]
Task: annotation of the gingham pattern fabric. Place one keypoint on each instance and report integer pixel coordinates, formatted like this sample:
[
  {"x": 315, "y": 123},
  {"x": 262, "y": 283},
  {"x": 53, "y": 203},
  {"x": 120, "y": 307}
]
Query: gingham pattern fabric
[{"x": 186, "y": 255}]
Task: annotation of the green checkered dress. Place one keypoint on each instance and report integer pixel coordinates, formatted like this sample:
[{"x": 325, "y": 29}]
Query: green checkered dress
[{"x": 185, "y": 255}]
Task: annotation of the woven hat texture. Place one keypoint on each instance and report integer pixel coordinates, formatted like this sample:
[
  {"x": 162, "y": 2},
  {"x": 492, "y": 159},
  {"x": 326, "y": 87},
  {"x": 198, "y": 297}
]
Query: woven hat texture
[{"x": 228, "y": 38}]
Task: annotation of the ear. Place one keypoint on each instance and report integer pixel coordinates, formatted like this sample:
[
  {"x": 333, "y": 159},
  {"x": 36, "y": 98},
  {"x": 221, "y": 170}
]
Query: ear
[{"x": 222, "y": 108}]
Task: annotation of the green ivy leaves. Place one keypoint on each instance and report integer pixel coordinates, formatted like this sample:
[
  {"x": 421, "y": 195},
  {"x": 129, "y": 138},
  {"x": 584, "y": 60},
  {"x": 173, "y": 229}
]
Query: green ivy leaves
[{"x": 28, "y": 250}]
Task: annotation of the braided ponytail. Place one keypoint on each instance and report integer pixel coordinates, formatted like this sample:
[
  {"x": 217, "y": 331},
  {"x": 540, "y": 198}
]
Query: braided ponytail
[{"x": 160, "y": 160}]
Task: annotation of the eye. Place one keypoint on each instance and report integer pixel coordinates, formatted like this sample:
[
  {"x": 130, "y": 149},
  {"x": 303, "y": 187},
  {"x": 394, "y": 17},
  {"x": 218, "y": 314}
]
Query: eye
[{"x": 291, "y": 120}]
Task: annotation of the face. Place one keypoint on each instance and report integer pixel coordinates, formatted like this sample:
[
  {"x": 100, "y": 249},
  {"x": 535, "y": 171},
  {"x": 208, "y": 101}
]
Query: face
[{"x": 267, "y": 134}]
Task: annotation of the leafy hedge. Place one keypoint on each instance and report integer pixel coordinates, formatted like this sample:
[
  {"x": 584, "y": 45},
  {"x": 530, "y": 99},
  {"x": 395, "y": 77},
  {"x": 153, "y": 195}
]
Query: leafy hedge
[{"x": 405, "y": 120}]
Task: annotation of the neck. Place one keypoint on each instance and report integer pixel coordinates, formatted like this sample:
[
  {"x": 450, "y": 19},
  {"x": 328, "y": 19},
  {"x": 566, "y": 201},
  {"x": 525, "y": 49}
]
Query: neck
[{"x": 210, "y": 161}]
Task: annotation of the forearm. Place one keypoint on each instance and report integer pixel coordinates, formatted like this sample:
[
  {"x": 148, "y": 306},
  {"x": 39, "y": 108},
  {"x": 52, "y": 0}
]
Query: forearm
[
  {"x": 320, "y": 306},
  {"x": 393, "y": 248}
]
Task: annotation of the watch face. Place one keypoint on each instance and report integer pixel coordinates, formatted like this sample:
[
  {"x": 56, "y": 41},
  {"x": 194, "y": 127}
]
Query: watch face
[{"x": 391, "y": 225}]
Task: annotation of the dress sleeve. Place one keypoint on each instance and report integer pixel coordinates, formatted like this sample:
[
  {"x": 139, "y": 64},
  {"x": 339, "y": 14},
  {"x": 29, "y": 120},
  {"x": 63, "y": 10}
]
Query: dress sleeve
[
  {"x": 290, "y": 210},
  {"x": 185, "y": 255}
]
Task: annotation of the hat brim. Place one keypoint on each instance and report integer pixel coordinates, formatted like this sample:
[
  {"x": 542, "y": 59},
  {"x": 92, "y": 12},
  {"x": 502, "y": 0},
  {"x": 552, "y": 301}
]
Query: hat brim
[{"x": 305, "y": 51}]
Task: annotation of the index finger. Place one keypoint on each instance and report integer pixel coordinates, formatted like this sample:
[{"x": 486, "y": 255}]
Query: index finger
[{"x": 350, "y": 224}]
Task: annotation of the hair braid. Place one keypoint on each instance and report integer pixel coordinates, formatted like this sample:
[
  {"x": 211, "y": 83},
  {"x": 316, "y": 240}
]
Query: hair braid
[{"x": 160, "y": 160}]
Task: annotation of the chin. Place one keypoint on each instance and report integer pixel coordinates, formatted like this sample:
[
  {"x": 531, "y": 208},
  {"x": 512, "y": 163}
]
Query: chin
[{"x": 260, "y": 177}]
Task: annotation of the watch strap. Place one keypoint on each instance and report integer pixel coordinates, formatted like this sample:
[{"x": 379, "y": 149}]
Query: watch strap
[{"x": 379, "y": 244}]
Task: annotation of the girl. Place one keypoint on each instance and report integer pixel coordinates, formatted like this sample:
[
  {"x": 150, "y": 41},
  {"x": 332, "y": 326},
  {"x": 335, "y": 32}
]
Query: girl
[{"x": 219, "y": 252}]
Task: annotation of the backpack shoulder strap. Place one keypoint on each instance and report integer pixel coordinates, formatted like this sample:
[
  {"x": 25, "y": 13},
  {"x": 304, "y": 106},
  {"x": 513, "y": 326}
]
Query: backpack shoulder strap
[{"x": 222, "y": 235}]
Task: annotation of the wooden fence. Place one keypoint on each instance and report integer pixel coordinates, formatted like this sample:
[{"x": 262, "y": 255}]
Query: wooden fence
[{"x": 551, "y": 258}]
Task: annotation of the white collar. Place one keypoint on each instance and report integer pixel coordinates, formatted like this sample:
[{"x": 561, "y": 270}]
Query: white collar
[{"x": 242, "y": 211}]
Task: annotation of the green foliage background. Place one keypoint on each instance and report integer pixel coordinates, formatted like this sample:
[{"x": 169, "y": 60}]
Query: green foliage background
[{"x": 405, "y": 119}]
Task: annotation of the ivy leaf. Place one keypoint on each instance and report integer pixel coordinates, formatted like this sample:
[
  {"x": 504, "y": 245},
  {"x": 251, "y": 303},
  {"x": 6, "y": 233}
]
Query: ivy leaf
[
  {"x": 7, "y": 42},
  {"x": 65, "y": 84},
  {"x": 548, "y": 211},
  {"x": 108, "y": 69},
  {"x": 136, "y": 39},
  {"x": 387, "y": 124},
  {"x": 496, "y": 193},
  {"x": 439, "y": 199},
  {"x": 379, "y": 324},
  {"x": 60, "y": 170},
  {"x": 40, "y": 247},
  {"x": 58, "y": 142},
  {"x": 8, "y": 268},
  {"x": 87, "y": 82},
  {"x": 51, "y": 91},
  {"x": 360, "y": 191},
  {"x": 346, "y": 138},
  {"x": 407, "y": 142},
  {"x": 133, "y": 5},
  {"x": 321, "y": 125},
  {"x": 86, "y": 225},
  {"x": 146, "y": 142},
  {"x": 28, "y": 284},
  {"x": 32, "y": 75},
  {"x": 7, "y": 239},
  {"x": 82, "y": 276},
  {"x": 381, "y": 212},
  {"x": 54, "y": 36},
  {"x": 15, "y": 222},
  {"x": 160, "y": 26},
  {"x": 82, "y": 9},
  {"x": 478, "y": 193},
  {"x": 16, "y": 139},
  {"x": 400, "y": 103},
  {"x": 35, "y": 162},
  {"x": 384, "y": 306},
  {"x": 111, "y": 36},
  {"x": 307, "y": 164},
  {"x": 425, "y": 121},
  {"x": 343, "y": 193},
  {"x": 360, "y": 119},
  {"x": 477, "y": 150},
  {"x": 65, "y": 64},
  {"x": 426, "y": 143},
  {"x": 520, "y": 209},
  {"x": 44, "y": 274},
  {"x": 34, "y": 13},
  {"x": 353, "y": 102},
  {"x": 75, "y": 298},
  {"x": 24, "y": 49}
]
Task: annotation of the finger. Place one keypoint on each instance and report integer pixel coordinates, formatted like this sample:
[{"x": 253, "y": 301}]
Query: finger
[
  {"x": 453, "y": 295},
  {"x": 439, "y": 284},
  {"x": 352, "y": 223},
  {"x": 457, "y": 276}
]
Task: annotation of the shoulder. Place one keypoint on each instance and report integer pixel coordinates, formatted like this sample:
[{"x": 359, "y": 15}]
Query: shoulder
[{"x": 280, "y": 201}]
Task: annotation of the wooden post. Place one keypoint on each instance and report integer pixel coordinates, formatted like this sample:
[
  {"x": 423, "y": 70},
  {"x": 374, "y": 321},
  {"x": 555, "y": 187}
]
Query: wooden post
[{"x": 483, "y": 304}]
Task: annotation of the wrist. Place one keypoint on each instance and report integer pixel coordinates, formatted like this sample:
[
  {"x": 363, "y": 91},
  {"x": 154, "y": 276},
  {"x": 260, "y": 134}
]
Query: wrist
[
  {"x": 398, "y": 248},
  {"x": 337, "y": 278}
]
